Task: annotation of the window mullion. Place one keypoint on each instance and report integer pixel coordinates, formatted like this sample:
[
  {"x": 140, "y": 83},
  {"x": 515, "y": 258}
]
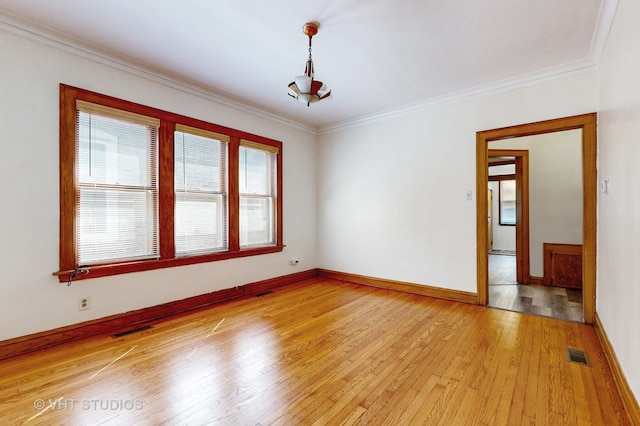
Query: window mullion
[
  {"x": 234, "y": 191},
  {"x": 166, "y": 196}
]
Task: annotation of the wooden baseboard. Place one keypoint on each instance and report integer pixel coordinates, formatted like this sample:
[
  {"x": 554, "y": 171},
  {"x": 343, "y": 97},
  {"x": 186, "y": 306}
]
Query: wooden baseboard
[
  {"x": 422, "y": 290},
  {"x": 114, "y": 323},
  {"x": 628, "y": 399},
  {"x": 536, "y": 280}
]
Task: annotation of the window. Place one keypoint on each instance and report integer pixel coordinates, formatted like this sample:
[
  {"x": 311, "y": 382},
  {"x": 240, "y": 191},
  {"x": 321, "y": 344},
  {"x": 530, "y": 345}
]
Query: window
[
  {"x": 200, "y": 177},
  {"x": 507, "y": 202},
  {"x": 257, "y": 194},
  {"x": 142, "y": 188},
  {"x": 117, "y": 185}
]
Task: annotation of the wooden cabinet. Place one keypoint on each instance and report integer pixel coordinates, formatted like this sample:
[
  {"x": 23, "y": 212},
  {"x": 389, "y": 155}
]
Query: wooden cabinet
[{"x": 563, "y": 265}]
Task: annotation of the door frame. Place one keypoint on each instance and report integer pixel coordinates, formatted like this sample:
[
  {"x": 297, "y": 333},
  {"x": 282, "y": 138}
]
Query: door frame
[
  {"x": 490, "y": 219},
  {"x": 585, "y": 122},
  {"x": 523, "y": 275}
]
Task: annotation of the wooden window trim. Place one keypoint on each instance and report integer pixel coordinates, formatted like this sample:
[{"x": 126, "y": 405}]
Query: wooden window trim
[
  {"x": 168, "y": 121},
  {"x": 498, "y": 178},
  {"x": 502, "y": 163}
]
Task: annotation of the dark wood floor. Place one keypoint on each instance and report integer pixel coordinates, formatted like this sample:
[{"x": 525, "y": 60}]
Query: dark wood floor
[
  {"x": 321, "y": 352},
  {"x": 506, "y": 293}
]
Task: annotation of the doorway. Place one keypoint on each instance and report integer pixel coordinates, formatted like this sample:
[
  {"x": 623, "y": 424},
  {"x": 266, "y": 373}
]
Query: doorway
[
  {"x": 587, "y": 124},
  {"x": 514, "y": 284},
  {"x": 517, "y": 163}
]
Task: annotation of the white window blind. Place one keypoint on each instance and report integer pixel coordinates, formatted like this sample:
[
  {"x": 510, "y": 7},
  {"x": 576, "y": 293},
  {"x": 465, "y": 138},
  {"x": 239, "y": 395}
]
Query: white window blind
[
  {"x": 201, "y": 202},
  {"x": 257, "y": 194},
  {"x": 116, "y": 171}
]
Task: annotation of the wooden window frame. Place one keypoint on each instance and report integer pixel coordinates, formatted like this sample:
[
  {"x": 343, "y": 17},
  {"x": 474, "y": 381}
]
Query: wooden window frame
[
  {"x": 272, "y": 192},
  {"x": 499, "y": 179},
  {"x": 168, "y": 120}
]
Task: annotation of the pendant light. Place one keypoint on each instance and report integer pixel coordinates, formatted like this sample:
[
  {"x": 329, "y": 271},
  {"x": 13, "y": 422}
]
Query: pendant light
[{"x": 304, "y": 88}]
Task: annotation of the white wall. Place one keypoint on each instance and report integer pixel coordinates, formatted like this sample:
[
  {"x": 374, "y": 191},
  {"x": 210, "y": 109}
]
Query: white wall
[
  {"x": 618, "y": 286},
  {"x": 31, "y": 299},
  {"x": 555, "y": 190},
  {"x": 392, "y": 193}
]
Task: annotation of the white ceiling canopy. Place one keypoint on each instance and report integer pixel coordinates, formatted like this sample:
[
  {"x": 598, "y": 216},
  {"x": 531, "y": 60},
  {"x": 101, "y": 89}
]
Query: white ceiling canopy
[{"x": 377, "y": 56}]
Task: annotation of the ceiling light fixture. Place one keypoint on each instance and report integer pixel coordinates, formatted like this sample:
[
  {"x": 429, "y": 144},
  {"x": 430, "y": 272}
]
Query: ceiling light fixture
[{"x": 304, "y": 88}]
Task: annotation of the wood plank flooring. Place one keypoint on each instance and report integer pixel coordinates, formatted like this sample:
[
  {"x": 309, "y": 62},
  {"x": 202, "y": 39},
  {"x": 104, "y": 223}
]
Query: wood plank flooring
[
  {"x": 321, "y": 352},
  {"x": 506, "y": 293}
]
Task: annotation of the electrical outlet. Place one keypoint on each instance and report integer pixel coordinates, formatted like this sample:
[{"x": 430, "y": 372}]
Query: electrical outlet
[
  {"x": 294, "y": 261},
  {"x": 84, "y": 303}
]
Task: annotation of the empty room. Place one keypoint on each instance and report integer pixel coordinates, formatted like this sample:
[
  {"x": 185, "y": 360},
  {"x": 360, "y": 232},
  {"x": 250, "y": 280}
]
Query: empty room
[{"x": 320, "y": 213}]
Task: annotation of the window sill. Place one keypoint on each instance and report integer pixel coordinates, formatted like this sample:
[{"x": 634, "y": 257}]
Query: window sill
[{"x": 105, "y": 270}]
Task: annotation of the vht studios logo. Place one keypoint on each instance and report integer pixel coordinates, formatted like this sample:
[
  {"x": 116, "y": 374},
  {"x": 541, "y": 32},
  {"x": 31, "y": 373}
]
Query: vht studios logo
[{"x": 89, "y": 404}]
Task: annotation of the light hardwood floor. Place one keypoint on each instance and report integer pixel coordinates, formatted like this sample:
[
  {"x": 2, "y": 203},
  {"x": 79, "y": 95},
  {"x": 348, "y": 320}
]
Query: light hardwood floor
[{"x": 321, "y": 352}]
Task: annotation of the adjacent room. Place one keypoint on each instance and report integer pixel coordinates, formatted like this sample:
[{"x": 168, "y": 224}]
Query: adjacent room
[
  {"x": 297, "y": 212},
  {"x": 554, "y": 190}
]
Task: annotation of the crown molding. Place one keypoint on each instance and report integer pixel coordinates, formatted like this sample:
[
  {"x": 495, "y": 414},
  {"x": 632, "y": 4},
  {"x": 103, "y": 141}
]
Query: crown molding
[
  {"x": 604, "y": 23},
  {"x": 26, "y": 29},
  {"x": 57, "y": 40},
  {"x": 524, "y": 80}
]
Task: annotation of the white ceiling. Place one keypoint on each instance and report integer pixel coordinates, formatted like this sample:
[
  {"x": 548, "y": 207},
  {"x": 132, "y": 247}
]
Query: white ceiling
[{"x": 377, "y": 56}]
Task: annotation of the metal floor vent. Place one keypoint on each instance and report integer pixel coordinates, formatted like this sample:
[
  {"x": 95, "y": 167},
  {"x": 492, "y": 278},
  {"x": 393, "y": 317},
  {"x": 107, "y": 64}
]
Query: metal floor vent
[
  {"x": 134, "y": 330},
  {"x": 579, "y": 357},
  {"x": 264, "y": 294}
]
